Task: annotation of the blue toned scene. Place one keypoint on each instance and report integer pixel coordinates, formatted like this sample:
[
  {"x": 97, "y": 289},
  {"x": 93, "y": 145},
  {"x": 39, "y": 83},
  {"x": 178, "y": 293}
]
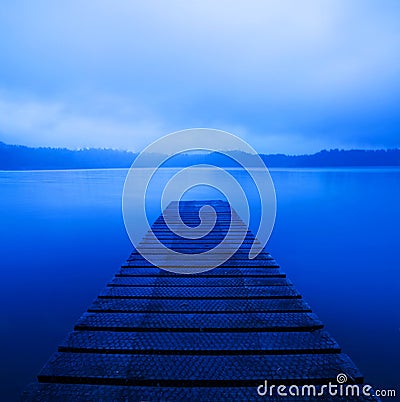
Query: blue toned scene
[{"x": 255, "y": 258}]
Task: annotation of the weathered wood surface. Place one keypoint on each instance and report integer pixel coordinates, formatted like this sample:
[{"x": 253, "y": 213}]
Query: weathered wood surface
[{"x": 153, "y": 335}]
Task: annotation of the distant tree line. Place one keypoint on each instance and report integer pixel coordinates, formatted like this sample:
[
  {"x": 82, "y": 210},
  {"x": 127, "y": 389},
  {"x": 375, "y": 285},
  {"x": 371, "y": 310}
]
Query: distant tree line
[
  {"x": 336, "y": 157},
  {"x": 17, "y": 157}
]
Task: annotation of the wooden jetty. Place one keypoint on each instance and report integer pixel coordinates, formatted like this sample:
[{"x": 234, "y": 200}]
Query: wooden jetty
[{"x": 154, "y": 335}]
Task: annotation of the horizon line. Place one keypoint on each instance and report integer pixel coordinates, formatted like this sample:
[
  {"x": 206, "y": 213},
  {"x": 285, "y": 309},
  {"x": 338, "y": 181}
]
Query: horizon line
[{"x": 2, "y": 143}]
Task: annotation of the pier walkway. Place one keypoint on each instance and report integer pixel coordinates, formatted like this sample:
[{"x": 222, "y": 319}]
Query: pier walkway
[{"x": 153, "y": 335}]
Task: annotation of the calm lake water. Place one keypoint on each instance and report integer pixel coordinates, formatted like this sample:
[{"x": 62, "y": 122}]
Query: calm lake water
[{"x": 337, "y": 236}]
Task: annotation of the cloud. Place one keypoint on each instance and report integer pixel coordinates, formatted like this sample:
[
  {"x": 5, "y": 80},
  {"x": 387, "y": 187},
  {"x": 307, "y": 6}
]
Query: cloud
[
  {"x": 285, "y": 74},
  {"x": 37, "y": 123}
]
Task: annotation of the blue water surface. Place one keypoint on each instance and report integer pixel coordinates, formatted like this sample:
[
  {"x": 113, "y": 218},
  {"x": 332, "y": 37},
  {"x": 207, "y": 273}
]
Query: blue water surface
[{"x": 336, "y": 236}]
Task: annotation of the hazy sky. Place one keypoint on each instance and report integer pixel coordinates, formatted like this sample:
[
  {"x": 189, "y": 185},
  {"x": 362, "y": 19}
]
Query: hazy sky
[{"x": 287, "y": 76}]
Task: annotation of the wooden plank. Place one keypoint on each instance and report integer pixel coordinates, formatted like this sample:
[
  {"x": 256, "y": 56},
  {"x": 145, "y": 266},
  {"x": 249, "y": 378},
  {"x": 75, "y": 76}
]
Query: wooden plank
[
  {"x": 45, "y": 392},
  {"x": 222, "y": 322},
  {"x": 224, "y": 272},
  {"x": 265, "y": 292},
  {"x": 197, "y": 282},
  {"x": 195, "y": 370},
  {"x": 200, "y": 343},
  {"x": 199, "y": 306}
]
